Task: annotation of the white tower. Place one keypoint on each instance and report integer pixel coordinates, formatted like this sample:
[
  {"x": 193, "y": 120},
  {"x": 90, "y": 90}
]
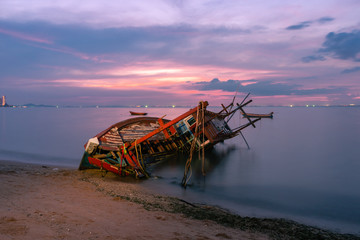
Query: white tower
[{"x": 3, "y": 101}]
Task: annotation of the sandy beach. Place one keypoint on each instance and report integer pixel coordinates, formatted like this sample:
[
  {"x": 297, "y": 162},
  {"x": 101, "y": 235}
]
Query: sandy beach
[{"x": 46, "y": 202}]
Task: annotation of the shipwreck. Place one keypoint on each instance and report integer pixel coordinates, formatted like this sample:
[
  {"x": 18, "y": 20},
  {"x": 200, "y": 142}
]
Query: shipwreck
[{"x": 129, "y": 146}]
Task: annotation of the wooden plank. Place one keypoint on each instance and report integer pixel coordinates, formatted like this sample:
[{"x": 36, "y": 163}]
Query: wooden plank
[
  {"x": 161, "y": 122},
  {"x": 225, "y": 108}
]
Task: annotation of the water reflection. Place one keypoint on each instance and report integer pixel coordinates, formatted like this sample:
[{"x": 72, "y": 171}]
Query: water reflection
[{"x": 174, "y": 166}]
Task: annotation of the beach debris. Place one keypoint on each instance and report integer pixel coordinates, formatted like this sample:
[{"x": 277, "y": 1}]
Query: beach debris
[{"x": 129, "y": 146}]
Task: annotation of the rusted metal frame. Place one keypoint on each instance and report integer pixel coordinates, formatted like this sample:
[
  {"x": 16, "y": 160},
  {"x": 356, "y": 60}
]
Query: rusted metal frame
[{"x": 167, "y": 125}]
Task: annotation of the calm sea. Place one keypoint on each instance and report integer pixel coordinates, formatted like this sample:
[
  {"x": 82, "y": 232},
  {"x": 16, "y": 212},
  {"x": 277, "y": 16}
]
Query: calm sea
[{"x": 303, "y": 165}]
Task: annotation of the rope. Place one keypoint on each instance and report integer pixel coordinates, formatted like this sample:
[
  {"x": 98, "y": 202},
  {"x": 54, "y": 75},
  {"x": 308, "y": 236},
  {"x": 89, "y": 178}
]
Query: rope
[
  {"x": 203, "y": 140},
  {"x": 102, "y": 170},
  {"x": 188, "y": 162},
  {"x": 122, "y": 157},
  {"x": 200, "y": 119},
  {"x": 141, "y": 164}
]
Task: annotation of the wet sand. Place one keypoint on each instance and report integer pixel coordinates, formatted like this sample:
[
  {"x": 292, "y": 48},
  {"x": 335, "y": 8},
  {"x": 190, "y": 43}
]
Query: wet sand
[{"x": 45, "y": 202}]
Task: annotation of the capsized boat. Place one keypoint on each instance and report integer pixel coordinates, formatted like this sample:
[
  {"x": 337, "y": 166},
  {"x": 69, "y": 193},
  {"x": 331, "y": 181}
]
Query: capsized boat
[{"x": 129, "y": 146}]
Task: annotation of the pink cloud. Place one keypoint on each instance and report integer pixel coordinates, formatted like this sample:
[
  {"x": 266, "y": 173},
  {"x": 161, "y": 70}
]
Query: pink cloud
[
  {"x": 25, "y": 36},
  {"x": 81, "y": 55},
  {"x": 66, "y": 50}
]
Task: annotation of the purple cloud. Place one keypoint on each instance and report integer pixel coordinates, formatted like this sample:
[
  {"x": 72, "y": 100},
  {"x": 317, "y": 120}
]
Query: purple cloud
[
  {"x": 306, "y": 24},
  {"x": 312, "y": 58},
  {"x": 263, "y": 88},
  {"x": 325, "y": 19},
  {"x": 343, "y": 45},
  {"x": 351, "y": 70},
  {"x": 299, "y": 26}
]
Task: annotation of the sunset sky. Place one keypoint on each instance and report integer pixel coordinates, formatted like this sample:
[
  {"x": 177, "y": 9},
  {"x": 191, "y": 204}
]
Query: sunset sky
[{"x": 138, "y": 52}]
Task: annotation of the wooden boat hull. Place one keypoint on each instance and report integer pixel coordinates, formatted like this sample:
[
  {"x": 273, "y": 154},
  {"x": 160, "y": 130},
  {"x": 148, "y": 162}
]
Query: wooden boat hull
[
  {"x": 255, "y": 115},
  {"x": 137, "y": 113}
]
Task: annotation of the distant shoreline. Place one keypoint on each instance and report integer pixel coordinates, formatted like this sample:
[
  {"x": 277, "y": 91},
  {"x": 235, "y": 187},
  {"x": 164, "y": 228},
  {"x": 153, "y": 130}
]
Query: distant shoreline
[
  {"x": 30, "y": 190},
  {"x": 143, "y": 107}
]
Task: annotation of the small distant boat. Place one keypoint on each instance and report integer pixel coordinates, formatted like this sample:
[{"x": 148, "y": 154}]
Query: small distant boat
[
  {"x": 138, "y": 113},
  {"x": 256, "y": 115}
]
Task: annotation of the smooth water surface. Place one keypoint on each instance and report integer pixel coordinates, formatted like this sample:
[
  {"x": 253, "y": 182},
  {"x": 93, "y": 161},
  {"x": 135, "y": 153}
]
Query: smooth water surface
[{"x": 303, "y": 165}]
